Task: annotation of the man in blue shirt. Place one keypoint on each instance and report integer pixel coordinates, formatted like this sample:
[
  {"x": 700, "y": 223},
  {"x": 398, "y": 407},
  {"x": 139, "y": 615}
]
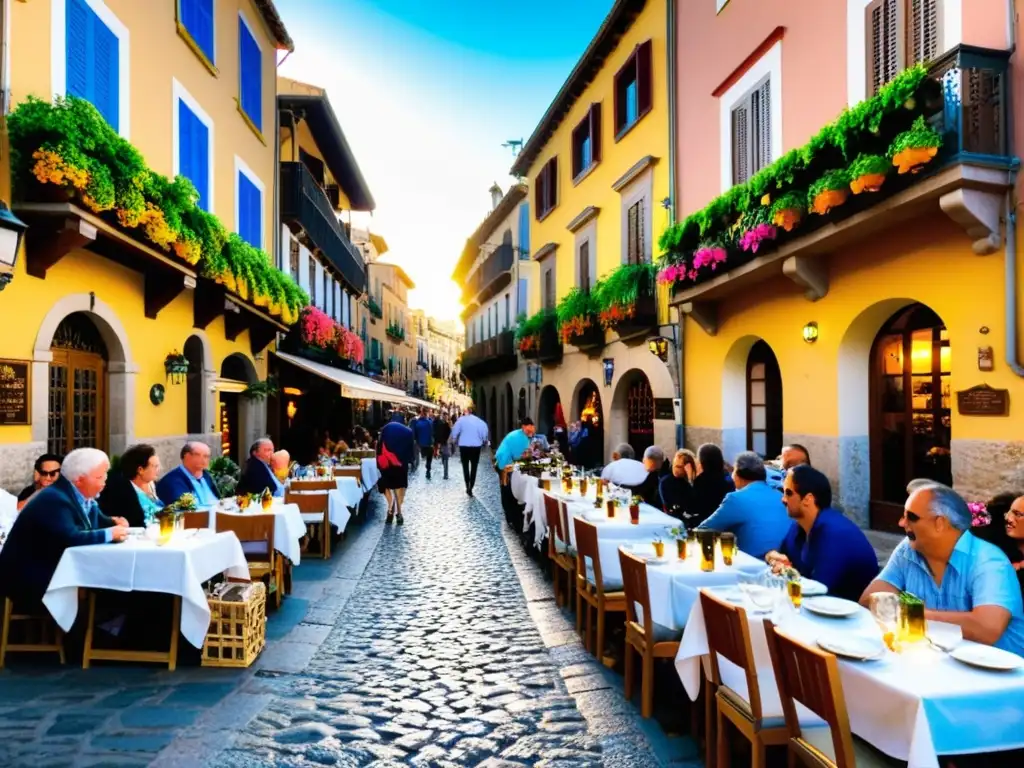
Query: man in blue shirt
[
  {"x": 822, "y": 543},
  {"x": 191, "y": 476},
  {"x": 752, "y": 511},
  {"x": 423, "y": 430},
  {"x": 793, "y": 455},
  {"x": 515, "y": 446},
  {"x": 961, "y": 579}
]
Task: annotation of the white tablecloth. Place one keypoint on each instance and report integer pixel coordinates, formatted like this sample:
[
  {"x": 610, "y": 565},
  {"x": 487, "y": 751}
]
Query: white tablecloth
[
  {"x": 371, "y": 474},
  {"x": 140, "y": 565},
  {"x": 913, "y": 706},
  {"x": 288, "y": 527}
]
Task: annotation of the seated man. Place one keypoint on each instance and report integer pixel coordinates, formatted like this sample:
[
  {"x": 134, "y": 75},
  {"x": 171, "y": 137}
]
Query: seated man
[
  {"x": 792, "y": 455},
  {"x": 822, "y": 543},
  {"x": 654, "y": 460},
  {"x": 752, "y": 511},
  {"x": 961, "y": 579},
  {"x": 45, "y": 472},
  {"x": 191, "y": 476},
  {"x": 624, "y": 469},
  {"x": 515, "y": 446},
  {"x": 257, "y": 475},
  {"x": 62, "y": 515}
]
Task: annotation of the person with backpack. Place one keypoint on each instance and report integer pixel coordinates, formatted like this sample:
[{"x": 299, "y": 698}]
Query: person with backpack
[{"x": 395, "y": 450}]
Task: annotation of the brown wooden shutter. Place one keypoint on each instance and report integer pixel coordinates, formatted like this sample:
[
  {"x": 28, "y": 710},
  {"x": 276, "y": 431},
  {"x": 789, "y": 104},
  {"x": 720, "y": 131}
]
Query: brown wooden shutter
[
  {"x": 633, "y": 224},
  {"x": 644, "y": 96},
  {"x": 539, "y": 193},
  {"x": 577, "y": 148},
  {"x": 595, "y": 132},
  {"x": 549, "y": 288},
  {"x": 640, "y": 249},
  {"x": 584, "y": 265},
  {"x": 741, "y": 142},
  {"x": 885, "y": 43},
  {"x": 761, "y": 130},
  {"x": 924, "y": 30},
  {"x": 552, "y": 182}
]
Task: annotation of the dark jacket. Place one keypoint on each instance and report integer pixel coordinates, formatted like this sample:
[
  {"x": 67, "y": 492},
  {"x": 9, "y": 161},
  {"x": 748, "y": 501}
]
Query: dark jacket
[
  {"x": 648, "y": 490},
  {"x": 675, "y": 494},
  {"x": 398, "y": 438},
  {"x": 709, "y": 488},
  {"x": 255, "y": 477},
  {"x": 423, "y": 429},
  {"x": 442, "y": 431},
  {"x": 176, "y": 484},
  {"x": 119, "y": 499},
  {"x": 50, "y": 523}
]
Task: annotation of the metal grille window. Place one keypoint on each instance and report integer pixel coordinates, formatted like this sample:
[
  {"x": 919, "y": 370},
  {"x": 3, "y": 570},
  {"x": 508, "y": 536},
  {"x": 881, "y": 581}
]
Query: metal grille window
[
  {"x": 635, "y": 233},
  {"x": 752, "y": 132},
  {"x": 900, "y": 33}
]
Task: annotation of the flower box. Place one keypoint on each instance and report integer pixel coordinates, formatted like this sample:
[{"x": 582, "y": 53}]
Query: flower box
[{"x": 592, "y": 336}]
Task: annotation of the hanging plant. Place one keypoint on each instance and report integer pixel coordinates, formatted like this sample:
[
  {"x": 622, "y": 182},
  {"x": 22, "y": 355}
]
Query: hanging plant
[
  {"x": 867, "y": 173},
  {"x": 789, "y": 210},
  {"x": 828, "y": 192},
  {"x": 753, "y": 238},
  {"x": 915, "y": 148},
  {"x": 176, "y": 367},
  {"x": 575, "y": 314},
  {"x": 261, "y": 390}
]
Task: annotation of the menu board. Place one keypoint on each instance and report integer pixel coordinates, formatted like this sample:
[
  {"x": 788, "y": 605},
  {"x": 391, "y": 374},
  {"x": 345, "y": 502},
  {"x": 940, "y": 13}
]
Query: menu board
[{"x": 14, "y": 392}]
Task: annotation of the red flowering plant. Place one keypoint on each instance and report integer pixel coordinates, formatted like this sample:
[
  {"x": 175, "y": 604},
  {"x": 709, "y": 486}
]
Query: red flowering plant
[
  {"x": 575, "y": 314},
  {"x": 617, "y": 294},
  {"x": 316, "y": 329},
  {"x": 528, "y": 331},
  {"x": 350, "y": 346}
]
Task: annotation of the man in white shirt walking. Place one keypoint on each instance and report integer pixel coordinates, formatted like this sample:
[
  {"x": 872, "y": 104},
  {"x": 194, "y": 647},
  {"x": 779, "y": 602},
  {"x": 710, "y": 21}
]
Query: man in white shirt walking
[{"x": 470, "y": 434}]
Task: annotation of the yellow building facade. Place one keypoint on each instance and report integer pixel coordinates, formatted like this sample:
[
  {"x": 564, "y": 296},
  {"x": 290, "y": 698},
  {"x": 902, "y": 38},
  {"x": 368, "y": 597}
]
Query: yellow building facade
[
  {"x": 598, "y": 171},
  {"x": 93, "y": 311}
]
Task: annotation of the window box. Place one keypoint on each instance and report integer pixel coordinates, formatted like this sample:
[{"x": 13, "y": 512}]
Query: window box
[{"x": 626, "y": 299}]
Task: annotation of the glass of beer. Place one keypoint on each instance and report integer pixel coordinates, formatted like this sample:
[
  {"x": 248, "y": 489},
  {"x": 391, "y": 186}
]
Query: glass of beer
[
  {"x": 706, "y": 540},
  {"x": 728, "y": 542},
  {"x": 634, "y": 514},
  {"x": 611, "y": 508},
  {"x": 583, "y": 485},
  {"x": 681, "y": 547},
  {"x": 795, "y": 591},
  {"x": 912, "y": 622}
]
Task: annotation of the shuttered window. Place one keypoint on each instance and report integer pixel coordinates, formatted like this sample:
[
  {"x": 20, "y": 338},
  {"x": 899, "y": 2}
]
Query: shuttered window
[
  {"x": 250, "y": 211},
  {"x": 250, "y": 85},
  {"x": 586, "y": 141},
  {"x": 549, "y": 287},
  {"x": 752, "y": 132},
  {"x": 635, "y": 233},
  {"x": 522, "y": 296},
  {"x": 584, "y": 265},
  {"x": 546, "y": 188},
  {"x": 900, "y": 33},
  {"x": 196, "y": 17},
  {"x": 524, "y": 230},
  {"x": 633, "y": 89},
  {"x": 92, "y": 61},
  {"x": 194, "y": 152}
]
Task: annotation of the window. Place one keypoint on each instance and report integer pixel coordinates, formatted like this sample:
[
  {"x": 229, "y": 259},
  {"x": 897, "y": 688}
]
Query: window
[
  {"x": 345, "y": 321},
  {"x": 508, "y": 311},
  {"x": 248, "y": 205},
  {"x": 193, "y": 152},
  {"x": 524, "y": 230},
  {"x": 586, "y": 142},
  {"x": 522, "y": 296},
  {"x": 900, "y": 33},
  {"x": 549, "y": 287},
  {"x": 633, "y": 89},
  {"x": 546, "y": 188},
  {"x": 752, "y": 132},
  {"x": 635, "y": 251},
  {"x": 94, "y": 39},
  {"x": 583, "y": 260},
  {"x": 250, "y": 77},
  {"x": 312, "y": 281},
  {"x": 293, "y": 259},
  {"x": 195, "y": 23},
  {"x": 328, "y": 294}
]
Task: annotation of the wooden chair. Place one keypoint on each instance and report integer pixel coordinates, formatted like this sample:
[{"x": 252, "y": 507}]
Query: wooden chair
[
  {"x": 199, "y": 519},
  {"x": 811, "y": 677},
  {"x": 592, "y": 592},
  {"x": 729, "y": 637},
  {"x": 257, "y": 531},
  {"x": 354, "y": 471},
  {"x": 564, "y": 560},
  {"x": 41, "y": 633},
  {"x": 641, "y": 636},
  {"x": 315, "y": 509},
  {"x": 304, "y": 486}
]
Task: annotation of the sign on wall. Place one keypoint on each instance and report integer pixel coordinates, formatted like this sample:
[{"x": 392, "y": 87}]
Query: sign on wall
[
  {"x": 983, "y": 400},
  {"x": 14, "y": 392},
  {"x": 663, "y": 409}
]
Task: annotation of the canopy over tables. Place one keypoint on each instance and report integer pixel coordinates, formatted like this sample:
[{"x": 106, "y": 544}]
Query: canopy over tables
[{"x": 355, "y": 386}]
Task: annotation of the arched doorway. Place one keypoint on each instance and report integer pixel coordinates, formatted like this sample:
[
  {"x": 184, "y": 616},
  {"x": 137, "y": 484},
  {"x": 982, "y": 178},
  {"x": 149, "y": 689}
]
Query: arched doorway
[
  {"x": 764, "y": 402},
  {"x": 77, "y": 391},
  {"x": 194, "y": 389},
  {"x": 587, "y": 409},
  {"x": 522, "y": 409},
  {"x": 640, "y": 414},
  {"x": 237, "y": 420},
  {"x": 546, "y": 409},
  {"x": 509, "y": 421},
  {"x": 910, "y": 397},
  {"x": 492, "y": 420}
]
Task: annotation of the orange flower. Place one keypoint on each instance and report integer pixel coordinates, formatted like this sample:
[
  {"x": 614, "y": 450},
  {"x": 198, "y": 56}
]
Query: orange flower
[{"x": 51, "y": 168}]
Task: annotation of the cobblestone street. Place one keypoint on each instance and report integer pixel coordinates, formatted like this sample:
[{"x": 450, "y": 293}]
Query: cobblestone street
[{"x": 437, "y": 643}]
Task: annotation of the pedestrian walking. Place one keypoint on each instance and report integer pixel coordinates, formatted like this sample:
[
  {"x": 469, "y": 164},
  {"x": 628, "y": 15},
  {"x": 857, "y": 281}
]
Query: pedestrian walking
[
  {"x": 423, "y": 429},
  {"x": 470, "y": 434},
  {"x": 395, "y": 450},
  {"x": 442, "y": 440}
]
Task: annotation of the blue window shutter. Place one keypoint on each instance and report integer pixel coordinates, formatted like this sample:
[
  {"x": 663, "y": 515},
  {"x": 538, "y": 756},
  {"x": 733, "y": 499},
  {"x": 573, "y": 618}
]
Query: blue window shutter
[
  {"x": 524, "y": 228},
  {"x": 197, "y": 18},
  {"x": 251, "y": 75},
  {"x": 92, "y": 54},
  {"x": 105, "y": 71},
  {"x": 249, "y": 211},
  {"x": 193, "y": 152},
  {"x": 77, "y": 48}
]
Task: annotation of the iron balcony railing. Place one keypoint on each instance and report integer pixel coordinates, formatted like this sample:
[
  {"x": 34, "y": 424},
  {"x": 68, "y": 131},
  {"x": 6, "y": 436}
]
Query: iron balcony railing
[{"x": 496, "y": 264}]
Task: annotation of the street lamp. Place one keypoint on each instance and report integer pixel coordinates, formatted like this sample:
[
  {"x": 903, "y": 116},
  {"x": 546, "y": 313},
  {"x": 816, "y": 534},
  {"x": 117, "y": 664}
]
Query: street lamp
[
  {"x": 810, "y": 332},
  {"x": 609, "y": 370},
  {"x": 659, "y": 347},
  {"x": 12, "y": 230}
]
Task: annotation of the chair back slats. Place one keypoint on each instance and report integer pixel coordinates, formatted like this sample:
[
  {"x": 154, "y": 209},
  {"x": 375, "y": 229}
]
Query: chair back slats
[
  {"x": 251, "y": 530},
  {"x": 810, "y": 677},
  {"x": 729, "y": 637},
  {"x": 312, "y": 485},
  {"x": 553, "y": 511},
  {"x": 634, "y": 581},
  {"x": 586, "y": 546},
  {"x": 306, "y": 502},
  {"x": 199, "y": 519}
]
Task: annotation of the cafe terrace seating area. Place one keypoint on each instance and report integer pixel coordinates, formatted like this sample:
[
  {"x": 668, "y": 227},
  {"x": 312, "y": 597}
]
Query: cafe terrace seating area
[
  {"x": 764, "y": 661},
  {"x": 216, "y": 571}
]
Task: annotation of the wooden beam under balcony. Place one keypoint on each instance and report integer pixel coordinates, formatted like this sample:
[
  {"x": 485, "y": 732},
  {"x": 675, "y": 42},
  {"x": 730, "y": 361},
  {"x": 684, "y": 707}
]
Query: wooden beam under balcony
[
  {"x": 161, "y": 290},
  {"x": 234, "y": 321},
  {"x": 207, "y": 304}
]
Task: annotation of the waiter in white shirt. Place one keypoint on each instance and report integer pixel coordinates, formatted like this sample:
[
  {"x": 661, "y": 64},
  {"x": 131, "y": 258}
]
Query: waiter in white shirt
[
  {"x": 470, "y": 434},
  {"x": 624, "y": 469}
]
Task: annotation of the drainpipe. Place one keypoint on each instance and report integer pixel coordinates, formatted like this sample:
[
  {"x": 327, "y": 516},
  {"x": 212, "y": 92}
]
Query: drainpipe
[
  {"x": 673, "y": 159},
  {"x": 1010, "y": 254}
]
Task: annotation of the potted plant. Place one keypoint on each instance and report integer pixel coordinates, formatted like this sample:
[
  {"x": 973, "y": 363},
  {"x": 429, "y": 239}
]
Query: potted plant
[
  {"x": 829, "y": 191},
  {"x": 577, "y": 322},
  {"x": 867, "y": 173},
  {"x": 225, "y": 475},
  {"x": 915, "y": 148},
  {"x": 261, "y": 390},
  {"x": 625, "y": 299},
  {"x": 789, "y": 210},
  {"x": 176, "y": 366}
]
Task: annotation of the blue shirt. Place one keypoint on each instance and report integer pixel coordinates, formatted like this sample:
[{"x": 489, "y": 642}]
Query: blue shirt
[
  {"x": 150, "y": 506},
  {"x": 423, "y": 429},
  {"x": 978, "y": 573},
  {"x": 756, "y": 515},
  {"x": 204, "y": 496},
  {"x": 511, "y": 448},
  {"x": 835, "y": 552},
  {"x": 91, "y": 510},
  {"x": 470, "y": 431}
]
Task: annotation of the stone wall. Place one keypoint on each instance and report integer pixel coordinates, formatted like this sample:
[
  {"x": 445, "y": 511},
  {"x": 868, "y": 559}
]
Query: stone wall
[
  {"x": 983, "y": 468},
  {"x": 16, "y": 463}
]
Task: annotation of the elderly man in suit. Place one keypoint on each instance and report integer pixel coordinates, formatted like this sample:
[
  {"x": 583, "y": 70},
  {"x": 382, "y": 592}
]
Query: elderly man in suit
[
  {"x": 62, "y": 515},
  {"x": 191, "y": 476},
  {"x": 257, "y": 474}
]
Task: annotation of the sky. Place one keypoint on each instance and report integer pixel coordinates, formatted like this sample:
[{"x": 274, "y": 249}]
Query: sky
[{"x": 427, "y": 91}]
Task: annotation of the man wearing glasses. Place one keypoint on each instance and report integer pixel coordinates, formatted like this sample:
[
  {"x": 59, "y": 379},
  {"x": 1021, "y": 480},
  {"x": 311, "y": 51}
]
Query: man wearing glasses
[{"x": 46, "y": 471}]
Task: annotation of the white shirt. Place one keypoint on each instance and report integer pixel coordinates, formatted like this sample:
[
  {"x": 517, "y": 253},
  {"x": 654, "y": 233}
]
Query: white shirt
[
  {"x": 625, "y": 472},
  {"x": 470, "y": 431}
]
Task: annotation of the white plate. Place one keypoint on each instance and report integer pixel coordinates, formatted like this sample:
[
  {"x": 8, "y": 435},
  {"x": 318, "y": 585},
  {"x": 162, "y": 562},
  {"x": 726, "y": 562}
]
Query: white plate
[
  {"x": 652, "y": 560},
  {"x": 812, "y": 588},
  {"x": 834, "y": 607},
  {"x": 987, "y": 657},
  {"x": 857, "y": 647}
]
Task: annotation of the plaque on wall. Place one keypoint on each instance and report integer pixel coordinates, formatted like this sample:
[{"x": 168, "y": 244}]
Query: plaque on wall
[
  {"x": 983, "y": 400},
  {"x": 14, "y": 392},
  {"x": 663, "y": 410}
]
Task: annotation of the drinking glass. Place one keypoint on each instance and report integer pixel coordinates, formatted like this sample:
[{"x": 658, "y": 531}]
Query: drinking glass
[
  {"x": 728, "y": 541},
  {"x": 707, "y": 550},
  {"x": 795, "y": 591},
  {"x": 885, "y": 607},
  {"x": 583, "y": 485},
  {"x": 166, "y": 527},
  {"x": 611, "y": 508},
  {"x": 691, "y": 542},
  {"x": 681, "y": 547},
  {"x": 912, "y": 621},
  {"x": 634, "y": 514}
]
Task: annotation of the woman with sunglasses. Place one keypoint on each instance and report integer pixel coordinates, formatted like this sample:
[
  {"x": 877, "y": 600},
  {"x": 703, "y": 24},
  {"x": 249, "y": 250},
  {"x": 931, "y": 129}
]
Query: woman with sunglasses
[{"x": 46, "y": 471}]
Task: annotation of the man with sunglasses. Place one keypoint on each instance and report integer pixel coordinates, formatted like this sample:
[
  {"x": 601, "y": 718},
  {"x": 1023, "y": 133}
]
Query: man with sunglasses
[{"x": 46, "y": 471}]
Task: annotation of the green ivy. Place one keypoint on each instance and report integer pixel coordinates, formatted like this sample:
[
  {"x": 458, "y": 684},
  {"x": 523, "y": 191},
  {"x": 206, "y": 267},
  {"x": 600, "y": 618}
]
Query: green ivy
[
  {"x": 795, "y": 200},
  {"x": 534, "y": 324},
  {"x": 622, "y": 285},
  {"x": 866, "y": 165},
  {"x": 920, "y": 136},
  {"x": 832, "y": 181},
  {"x": 576, "y": 303}
]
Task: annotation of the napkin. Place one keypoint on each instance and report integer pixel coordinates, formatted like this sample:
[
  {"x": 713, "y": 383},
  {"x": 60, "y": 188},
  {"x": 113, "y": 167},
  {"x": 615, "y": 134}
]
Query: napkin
[{"x": 943, "y": 635}]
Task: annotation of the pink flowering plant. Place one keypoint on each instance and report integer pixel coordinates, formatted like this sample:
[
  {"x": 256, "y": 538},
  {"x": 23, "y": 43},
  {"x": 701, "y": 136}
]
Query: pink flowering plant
[
  {"x": 316, "y": 328},
  {"x": 673, "y": 273},
  {"x": 350, "y": 346},
  {"x": 752, "y": 239},
  {"x": 979, "y": 514}
]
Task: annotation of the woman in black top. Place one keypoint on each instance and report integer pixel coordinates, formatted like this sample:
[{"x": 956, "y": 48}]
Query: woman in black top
[
  {"x": 677, "y": 486},
  {"x": 709, "y": 487}
]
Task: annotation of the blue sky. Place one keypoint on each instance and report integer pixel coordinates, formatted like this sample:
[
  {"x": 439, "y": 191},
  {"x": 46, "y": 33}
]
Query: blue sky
[{"x": 426, "y": 93}]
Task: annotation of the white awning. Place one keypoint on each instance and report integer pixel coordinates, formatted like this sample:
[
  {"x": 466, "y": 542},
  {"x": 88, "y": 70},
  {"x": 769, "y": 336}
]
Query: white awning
[{"x": 353, "y": 385}]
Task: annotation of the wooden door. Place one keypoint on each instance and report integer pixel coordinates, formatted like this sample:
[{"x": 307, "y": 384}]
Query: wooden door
[
  {"x": 764, "y": 402},
  {"x": 77, "y": 412}
]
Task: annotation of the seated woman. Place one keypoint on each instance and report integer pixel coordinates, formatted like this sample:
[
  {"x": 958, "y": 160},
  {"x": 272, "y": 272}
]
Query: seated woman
[
  {"x": 1005, "y": 529},
  {"x": 130, "y": 493}
]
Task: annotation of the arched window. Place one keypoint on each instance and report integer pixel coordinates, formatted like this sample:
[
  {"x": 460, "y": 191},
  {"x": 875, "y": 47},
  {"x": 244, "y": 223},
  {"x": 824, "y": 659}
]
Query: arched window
[{"x": 764, "y": 402}]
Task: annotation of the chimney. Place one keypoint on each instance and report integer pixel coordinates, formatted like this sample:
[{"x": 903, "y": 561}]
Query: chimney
[{"x": 496, "y": 195}]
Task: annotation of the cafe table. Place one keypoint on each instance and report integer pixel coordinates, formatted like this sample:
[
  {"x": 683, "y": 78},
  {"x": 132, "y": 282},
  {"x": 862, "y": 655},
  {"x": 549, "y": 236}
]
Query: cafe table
[
  {"x": 289, "y": 528},
  {"x": 342, "y": 500},
  {"x": 913, "y": 706},
  {"x": 140, "y": 564},
  {"x": 370, "y": 473}
]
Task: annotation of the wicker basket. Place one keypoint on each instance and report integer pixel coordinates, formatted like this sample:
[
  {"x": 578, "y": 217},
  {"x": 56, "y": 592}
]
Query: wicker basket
[{"x": 238, "y": 630}]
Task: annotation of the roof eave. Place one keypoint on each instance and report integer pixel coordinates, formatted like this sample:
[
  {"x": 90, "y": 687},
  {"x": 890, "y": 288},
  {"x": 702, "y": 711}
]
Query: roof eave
[{"x": 273, "y": 21}]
